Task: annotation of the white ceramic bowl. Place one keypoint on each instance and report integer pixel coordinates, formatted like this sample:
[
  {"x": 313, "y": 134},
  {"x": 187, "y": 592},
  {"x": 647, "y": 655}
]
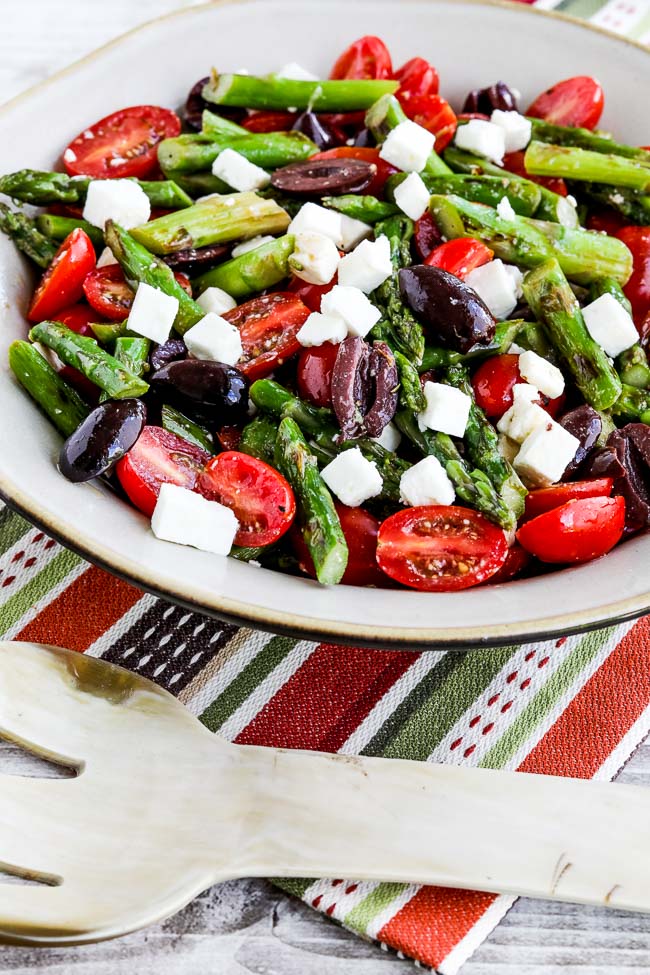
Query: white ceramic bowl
[{"x": 472, "y": 44}]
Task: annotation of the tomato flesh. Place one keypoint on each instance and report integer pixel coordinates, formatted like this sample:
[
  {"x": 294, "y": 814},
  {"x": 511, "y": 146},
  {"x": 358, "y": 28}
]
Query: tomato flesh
[
  {"x": 366, "y": 58},
  {"x": 159, "y": 457},
  {"x": 546, "y": 499},
  {"x": 460, "y": 256},
  {"x": 360, "y": 529},
  {"x": 434, "y": 113},
  {"x": 416, "y": 78},
  {"x": 574, "y": 101},
  {"x": 268, "y": 327},
  {"x": 516, "y": 561},
  {"x": 77, "y": 318},
  {"x": 269, "y": 122},
  {"x": 310, "y": 294},
  {"x": 258, "y": 494},
  {"x": 314, "y": 373},
  {"x": 122, "y": 144},
  {"x": 577, "y": 531},
  {"x": 440, "y": 548},
  {"x": 637, "y": 289},
  {"x": 494, "y": 381},
  {"x": 108, "y": 293},
  {"x": 609, "y": 222},
  {"x": 367, "y": 154},
  {"x": 62, "y": 283}
]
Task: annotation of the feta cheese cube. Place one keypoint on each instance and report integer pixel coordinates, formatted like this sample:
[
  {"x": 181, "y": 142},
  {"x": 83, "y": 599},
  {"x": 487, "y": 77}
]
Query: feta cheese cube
[
  {"x": 541, "y": 373},
  {"x": 106, "y": 258},
  {"x": 495, "y": 286},
  {"x": 320, "y": 328},
  {"x": 235, "y": 170},
  {"x": 315, "y": 258},
  {"x": 216, "y": 300},
  {"x": 545, "y": 454},
  {"x": 367, "y": 266},
  {"x": 507, "y": 448},
  {"x": 358, "y": 313},
  {"x": 482, "y": 138},
  {"x": 524, "y": 416},
  {"x": 353, "y": 231},
  {"x": 352, "y": 478},
  {"x": 152, "y": 313},
  {"x": 610, "y": 325},
  {"x": 251, "y": 245},
  {"x": 296, "y": 72},
  {"x": 190, "y": 519},
  {"x": 120, "y": 200},
  {"x": 408, "y": 147},
  {"x": 390, "y": 438},
  {"x": 412, "y": 196},
  {"x": 517, "y": 279},
  {"x": 312, "y": 218},
  {"x": 504, "y": 209},
  {"x": 447, "y": 409},
  {"x": 516, "y": 128},
  {"x": 214, "y": 338},
  {"x": 426, "y": 483}
]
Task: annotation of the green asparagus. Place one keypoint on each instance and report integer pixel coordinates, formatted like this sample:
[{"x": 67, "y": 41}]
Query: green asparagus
[
  {"x": 634, "y": 206},
  {"x": 505, "y": 334},
  {"x": 571, "y": 162},
  {"x": 632, "y": 404},
  {"x": 193, "y": 153},
  {"x": 609, "y": 286},
  {"x": 218, "y": 127},
  {"x": 568, "y": 135},
  {"x": 398, "y": 325},
  {"x": 258, "y": 438},
  {"x": 44, "y": 188},
  {"x": 386, "y": 114},
  {"x": 523, "y": 196},
  {"x": 247, "y": 91},
  {"x": 58, "y": 400},
  {"x": 366, "y": 208},
  {"x": 107, "y": 333},
  {"x": 251, "y": 272},
  {"x": 197, "y": 185},
  {"x": 176, "y": 422},
  {"x": 586, "y": 255},
  {"x": 26, "y": 236},
  {"x": 57, "y": 228},
  {"x": 133, "y": 354}
]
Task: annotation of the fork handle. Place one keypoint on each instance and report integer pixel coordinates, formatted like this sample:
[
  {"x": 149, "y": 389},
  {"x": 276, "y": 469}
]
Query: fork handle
[{"x": 336, "y": 816}]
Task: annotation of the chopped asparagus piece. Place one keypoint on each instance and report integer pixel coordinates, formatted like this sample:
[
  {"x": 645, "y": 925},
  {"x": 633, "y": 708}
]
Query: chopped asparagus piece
[
  {"x": 26, "y": 236},
  {"x": 58, "y": 400},
  {"x": 247, "y": 91},
  {"x": 176, "y": 422},
  {"x": 252, "y": 272}
]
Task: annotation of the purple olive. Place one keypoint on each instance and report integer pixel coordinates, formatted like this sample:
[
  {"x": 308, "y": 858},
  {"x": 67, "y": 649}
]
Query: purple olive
[
  {"x": 365, "y": 139},
  {"x": 320, "y": 177},
  {"x": 167, "y": 352},
  {"x": 626, "y": 459},
  {"x": 585, "y": 424},
  {"x": 215, "y": 389},
  {"x": 317, "y": 130},
  {"x": 196, "y": 104},
  {"x": 104, "y": 437},
  {"x": 454, "y": 315},
  {"x": 195, "y": 260},
  {"x": 485, "y": 100},
  {"x": 364, "y": 388}
]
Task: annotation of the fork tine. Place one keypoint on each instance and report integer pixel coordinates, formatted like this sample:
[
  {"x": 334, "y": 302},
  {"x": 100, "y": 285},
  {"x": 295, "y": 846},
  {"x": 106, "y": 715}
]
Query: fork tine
[{"x": 33, "y": 813}]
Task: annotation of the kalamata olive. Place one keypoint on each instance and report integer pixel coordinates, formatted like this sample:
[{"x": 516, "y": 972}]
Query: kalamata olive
[
  {"x": 194, "y": 260},
  {"x": 364, "y": 387},
  {"x": 317, "y": 130},
  {"x": 383, "y": 374},
  {"x": 585, "y": 424},
  {"x": 626, "y": 459},
  {"x": 167, "y": 352},
  {"x": 196, "y": 104},
  {"x": 320, "y": 177},
  {"x": 105, "y": 436},
  {"x": 486, "y": 100},
  {"x": 365, "y": 139},
  {"x": 219, "y": 391},
  {"x": 454, "y": 314}
]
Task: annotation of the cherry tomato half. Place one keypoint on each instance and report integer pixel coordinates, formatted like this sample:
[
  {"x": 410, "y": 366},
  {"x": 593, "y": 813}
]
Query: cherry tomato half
[
  {"x": 574, "y": 101},
  {"x": 360, "y": 529},
  {"x": 577, "y": 531},
  {"x": 268, "y": 327},
  {"x": 493, "y": 382},
  {"x": 434, "y": 113},
  {"x": 269, "y": 121},
  {"x": 440, "y": 548},
  {"x": 122, "y": 144},
  {"x": 258, "y": 494},
  {"x": 314, "y": 373},
  {"x": 77, "y": 318},
  {"x": 460, "y": 256},
  {"x": 637, "y": 288},
  {"x": 367, "y": 154},
  {"x": 426, "y": 235},
  {"x": 366, "y": 58},
  {"x": 109, "y": 294},
  {"x": 159, "y": 457},
  {"x": 516, "y": 561},
  {"x": 546, "y": 499},
  {"x": 310, "y": 294},
  {"x": 606, "y": 221},
  {"x": 417, "y": 77},
  {"x": 62, "y": 284},
  {"x": 514, "y": 163}
]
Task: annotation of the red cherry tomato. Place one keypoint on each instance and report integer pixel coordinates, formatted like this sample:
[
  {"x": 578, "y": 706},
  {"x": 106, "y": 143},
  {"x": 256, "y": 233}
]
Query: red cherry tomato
[
  {"x": 416, "y": 77},
  {"x": 427, "y": 235},
  {"x": 109, "y": 294},
  {"x": 258, "y": 494},
  {"x": 269, "y": 121},
  {"x": 493, "y": 382},
  {"x": 122, "y": 144},
  {"x": 435, "y": 114},
  {"x": 158, "y": 457},
  {"x": 360, "y": 529},
  {"x": 314, "y": 373},
  {"x": 546, "y": 499},
  {"x": 62, "y": 283},
  {"x": 440, "y": 548},
  {"x": 516, "y": 561},
  {"x": 367, "y": 154},
  {"x": 514, "y": 163},
  {"x": 575, "y": 101},
  {"x": 310, "y": 294},
  {"x": 77, "y": 318},
  {"x": 366, "y": 58},
  {"x": 637, "y": 288},
  {"x": 460, "y": 256},
  {"x": 268, "y": 327},
  {"x": 576, "y": 531},
  {"x": 606, "y": 221}
]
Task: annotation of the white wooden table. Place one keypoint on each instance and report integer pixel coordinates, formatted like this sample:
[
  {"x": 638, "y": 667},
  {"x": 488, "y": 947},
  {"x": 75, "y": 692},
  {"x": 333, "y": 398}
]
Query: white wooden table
[{"x": 249, "y": 926}]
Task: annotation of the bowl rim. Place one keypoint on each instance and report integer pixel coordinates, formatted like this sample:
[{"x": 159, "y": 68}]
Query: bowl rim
[{"x": 279, "y": 621}]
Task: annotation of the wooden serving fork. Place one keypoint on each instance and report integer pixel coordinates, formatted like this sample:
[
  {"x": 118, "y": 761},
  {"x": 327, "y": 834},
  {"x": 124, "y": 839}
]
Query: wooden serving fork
[{"x": 161, "y": 808}]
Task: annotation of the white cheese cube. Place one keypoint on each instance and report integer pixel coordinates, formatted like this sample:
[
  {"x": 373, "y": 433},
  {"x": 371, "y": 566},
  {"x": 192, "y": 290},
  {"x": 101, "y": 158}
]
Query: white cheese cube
[
  {"x": 235, "y": 170},
  {"x": 408, "y": 147},
  {"x": 426, "y": 483},
  {"x": 190, "y": 519},
  {"x": 312, "y": 218},
  {"x": 121, "y": 200},
  {"x": 319, "y": 328},
  {"x": 352, "y": 478},
  {"x": 524, "y": 416},
  {"x": 610, "y": 325},
  {"x": 358, "y": 313},
  {"x": 216, "y": 300},
  {"x": 251, "y": 245},
  {"x": 296, "y": 72},
  {"x": 541, "y": 373},
  {"x": 447, "y": 409},
  {"x": 315, "y": 258},
  {"x": 214, "y": 338},
  {"x": 152, "y": 313},
  {"x": 367, "y": 266},
  {"x": 106, "y": 258},
  {"x": 390, "y": 438},
  {"x": 412, "y": 196},
  {"x": 504, "y": 209},
  {"x": 353, "y": 231},
  {"x": 495, "y": 286},
  {"x": 507, "y": 448},
  {"x": 516, "y": 128},
  {"x": 517, "y": 278},
  {"x": 482, "y": 138},
  {"x": 545, "y": 454}
]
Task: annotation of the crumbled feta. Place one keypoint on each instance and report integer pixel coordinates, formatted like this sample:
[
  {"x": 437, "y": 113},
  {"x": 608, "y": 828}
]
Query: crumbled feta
[
  {"x": 190, "y": 519},
  {"x": 312, "y": 218},
  {"x": 320, "y": 328},
  {"x": 106, "y": 258},
  {"x": 353, "y": 231},
  {"x": 121, "y": 200},
  {"x": 251, "y": 245},
  {"x": 367, "y": 266},
  {"x": 315, "y": 258},
  {"x": 516, "y": 129},
  {"x": 495, "y": 286},
  {"x": 482, "y": 138},
  {"x": 504, "y": 209},
  {"x": 235, "y": 170},
  {"x": 358, "y": 313},
  {"x": 152, "y": 313},
  {"x": 541, "y": 373},
  {"x": 214, "y": 338},
  {"x": 408, "y": 147},
  {"x": 610, "y": 325},
  {"x": 412, "y": 196},
  {"x": 545, "y": 454},
  {"x": 524, "y": 416},
  {"x": 426, "y": 483},
  {"x": 216, "y": 300},
  {"x": 352, "y": 478},
  {"x": 447, "y": 409},
  {"x": 296, "y": 72},
  {"x": 390, "y": 438}
]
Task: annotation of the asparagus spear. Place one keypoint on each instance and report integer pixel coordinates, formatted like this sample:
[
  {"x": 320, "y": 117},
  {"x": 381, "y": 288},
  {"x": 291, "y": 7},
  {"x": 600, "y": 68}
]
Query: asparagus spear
[
  {"x": 58, "y": 228},
  {"x": 246, "y": 91},
  {"x": 566, "y": 135},
  {"x": 634, "y": 206},
  {"x": 631, "y": 365},
  {"x": 44, "y": 188},
  {"x": 197, "y": 185},
  {"x": 107, "y": 333},
  {"x": 571, "y": 162},
  {"x": 366, "y": 208},
  {"x": 216, "y": 126},
  {"x": 385, "y": 114},
  {"x": 549, "y": 294},
  {"x": 317, "y": 517},
  {"x": 274, "y": 399},
  {"x": 404, "y": 333},
  {"x": 258, "y": 438},
  {"x": 85, "y": 354},
  {"x": 176, "y": 422},
  {"x": 26, "y": 236},
  {"x": 586, "y": 255},
  {"x": 133, "y": 354},
  {"x": 524, "y": 196},
  {"x": 192, "y": 153},
  {"x": 505, "y": 334},
  {"x": 609, "y": 286},
  {"x": 251, "y": 272},
  {"x": 59, "y": 401},
  {"x": 411, "y": 396}
]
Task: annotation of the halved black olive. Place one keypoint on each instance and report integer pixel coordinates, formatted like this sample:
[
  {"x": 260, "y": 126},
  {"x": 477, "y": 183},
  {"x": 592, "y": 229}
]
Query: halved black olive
[
  {"x": 320, "y": 177},
  {"x": 364, "y": 387},
  {"x": 586, "y": 424},
  {"x": 214, "y": 389},
  {"x": 103, "y": 438},
  {"x": 166, "y": 352},
  {"x": 454, "y": 314},
  {"x": 195, "y": 260}
]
